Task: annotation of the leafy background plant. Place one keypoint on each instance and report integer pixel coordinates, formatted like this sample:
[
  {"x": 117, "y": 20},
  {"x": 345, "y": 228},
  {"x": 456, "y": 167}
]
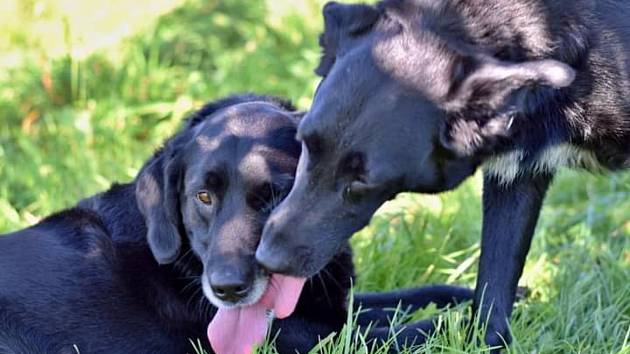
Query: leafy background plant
[{"x": 89, "y": 89}]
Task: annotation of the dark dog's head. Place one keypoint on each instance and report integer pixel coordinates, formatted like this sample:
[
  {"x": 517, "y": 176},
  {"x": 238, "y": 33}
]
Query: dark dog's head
[
  {"x": 404, "y": 105},
  {"x": 212, "y": 187}
]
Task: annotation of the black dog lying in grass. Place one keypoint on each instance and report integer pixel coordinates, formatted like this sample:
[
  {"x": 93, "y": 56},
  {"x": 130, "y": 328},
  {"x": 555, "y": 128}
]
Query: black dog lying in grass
[{"x": 87, "y": 278}]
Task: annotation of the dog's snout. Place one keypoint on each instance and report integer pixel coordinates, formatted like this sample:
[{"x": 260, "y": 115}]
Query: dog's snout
[
  {"x": 272, "y": 261},
  {"x": 229, "y": 287}
]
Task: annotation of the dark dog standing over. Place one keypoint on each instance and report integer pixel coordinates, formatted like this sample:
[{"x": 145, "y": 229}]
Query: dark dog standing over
[
  {"x": 88, "y": 276},
  {"x": 416, "y": 95}
]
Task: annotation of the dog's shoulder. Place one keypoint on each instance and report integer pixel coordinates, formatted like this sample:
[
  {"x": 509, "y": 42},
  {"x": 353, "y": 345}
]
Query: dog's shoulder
[
  {"x": 118, "y": 213},
  {"x": 77, "y": 229}
]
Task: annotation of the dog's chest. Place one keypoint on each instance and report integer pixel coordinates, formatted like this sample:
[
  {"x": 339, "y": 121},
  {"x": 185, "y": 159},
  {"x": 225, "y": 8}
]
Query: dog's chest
[{"x": 509, "y": 166}]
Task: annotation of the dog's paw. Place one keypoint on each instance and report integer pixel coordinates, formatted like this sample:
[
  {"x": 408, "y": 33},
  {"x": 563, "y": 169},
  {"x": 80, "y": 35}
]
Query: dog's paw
[{"x": 497, "y": 337}]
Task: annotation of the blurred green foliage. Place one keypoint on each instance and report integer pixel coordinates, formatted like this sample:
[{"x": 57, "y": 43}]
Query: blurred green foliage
[
  {"x": 72, "y": 125},
  {"x": 74, "y": 120}
]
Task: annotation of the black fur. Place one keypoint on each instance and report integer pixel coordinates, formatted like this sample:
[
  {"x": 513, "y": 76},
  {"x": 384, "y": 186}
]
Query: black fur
[
  {"x": 97, "y": 277},
  {"x": 428, "y": 92}
]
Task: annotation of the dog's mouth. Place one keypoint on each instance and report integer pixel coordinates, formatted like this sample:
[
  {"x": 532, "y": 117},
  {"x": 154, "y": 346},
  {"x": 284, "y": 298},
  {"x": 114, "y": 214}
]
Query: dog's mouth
[
  {"x": 253, "y": 296},
  {"x": 238, "y": 327}
]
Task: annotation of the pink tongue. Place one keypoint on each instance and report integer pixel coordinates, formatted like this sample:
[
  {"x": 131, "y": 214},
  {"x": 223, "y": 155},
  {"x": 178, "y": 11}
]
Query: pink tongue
[{"x": 238, "y": 330}]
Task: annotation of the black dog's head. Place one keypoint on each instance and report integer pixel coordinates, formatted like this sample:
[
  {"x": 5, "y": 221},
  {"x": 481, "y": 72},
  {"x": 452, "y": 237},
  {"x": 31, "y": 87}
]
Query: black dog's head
[
  {"x": 404, "y": 105},
  {"x": 212, "y": 187}
]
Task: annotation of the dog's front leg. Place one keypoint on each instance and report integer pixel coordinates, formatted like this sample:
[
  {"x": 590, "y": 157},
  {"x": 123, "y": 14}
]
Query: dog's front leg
[{"x": 510, "y": 212}]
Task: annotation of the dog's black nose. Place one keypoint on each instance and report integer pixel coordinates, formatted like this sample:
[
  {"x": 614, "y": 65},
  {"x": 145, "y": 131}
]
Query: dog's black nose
[{"x": 230, "y": 288}]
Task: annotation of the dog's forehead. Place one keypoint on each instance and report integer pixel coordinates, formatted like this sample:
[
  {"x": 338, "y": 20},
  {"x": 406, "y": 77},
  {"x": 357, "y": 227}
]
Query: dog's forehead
[
  {"x": 341, "y": 94},
  {"x": 420, "y": 61},
  {"x": 402, "y": 49},
  {"x": 256, "y": 122},
  {"x": 252, "y": 118},
  {"x": 369, "y": 82},
  {"x": 356, "y": 85},
  {"x": 253, "y": 139}
]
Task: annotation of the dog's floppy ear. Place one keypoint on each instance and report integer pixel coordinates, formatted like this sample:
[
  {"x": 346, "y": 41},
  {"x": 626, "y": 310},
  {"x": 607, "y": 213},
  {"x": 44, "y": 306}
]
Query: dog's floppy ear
[
  {"x": 485, "y": 79},
  {"x": 157, "y": 194},
  {"x": 487, "y": 95},
  {"x": 342, "y": 20}
]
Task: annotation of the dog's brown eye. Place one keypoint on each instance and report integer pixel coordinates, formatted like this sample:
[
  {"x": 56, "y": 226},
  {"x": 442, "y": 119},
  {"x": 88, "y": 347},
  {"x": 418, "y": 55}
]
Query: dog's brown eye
[{"x": 204, "y": 197}]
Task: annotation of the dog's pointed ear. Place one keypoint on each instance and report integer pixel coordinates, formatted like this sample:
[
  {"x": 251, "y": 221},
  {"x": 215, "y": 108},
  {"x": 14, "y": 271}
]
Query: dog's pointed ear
[
  {"x": 342, "y": 20},
  {"x": 157, "y": 193},
  {"x": 487, "y": 95}
]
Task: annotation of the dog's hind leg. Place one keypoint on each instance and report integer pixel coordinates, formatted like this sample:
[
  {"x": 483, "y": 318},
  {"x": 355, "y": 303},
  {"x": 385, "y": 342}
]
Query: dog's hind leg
[{"x": 379, "y": 308}]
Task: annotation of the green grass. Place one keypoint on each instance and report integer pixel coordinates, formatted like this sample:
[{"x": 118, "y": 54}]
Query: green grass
[{"x": 71, "y": 124}]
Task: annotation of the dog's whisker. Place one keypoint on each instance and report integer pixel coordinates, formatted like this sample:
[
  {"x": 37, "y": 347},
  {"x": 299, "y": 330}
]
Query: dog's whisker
[
  {"x": 190, "y": 284},
  {"x": 326, "y": 295},
  {"x": 332, "y": 278}
]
